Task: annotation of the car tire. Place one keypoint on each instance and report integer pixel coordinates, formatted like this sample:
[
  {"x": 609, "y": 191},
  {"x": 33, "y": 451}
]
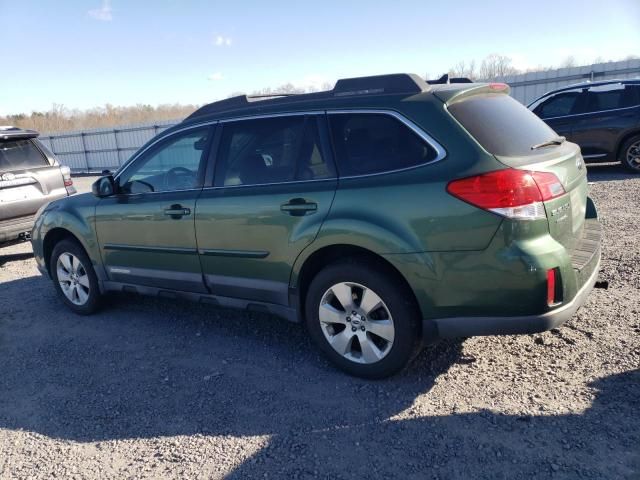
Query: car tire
[
  {"x": 74, "y": 277},
  {"x": 374, "y": 336},
  {"x": 630, "y": 154}
]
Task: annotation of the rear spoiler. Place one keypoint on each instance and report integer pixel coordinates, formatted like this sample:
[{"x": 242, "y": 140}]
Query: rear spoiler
[
  {"x": 10, "y": 133},
  {"x": 454, "y": 93}
]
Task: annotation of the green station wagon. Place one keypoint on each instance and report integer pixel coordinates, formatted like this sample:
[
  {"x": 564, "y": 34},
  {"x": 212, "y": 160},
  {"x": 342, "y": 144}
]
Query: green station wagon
[{"x": 383, "y": 214}]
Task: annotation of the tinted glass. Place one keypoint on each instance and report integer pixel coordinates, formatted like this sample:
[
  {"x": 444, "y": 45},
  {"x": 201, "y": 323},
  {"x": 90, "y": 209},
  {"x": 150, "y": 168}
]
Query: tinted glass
[
  {"x": 19, "y": 155},
  {"x": 632, "y": 96},
  {"x": 610, "y": 97},
  {"x": 271, "y": 150},
  {"x": 502, "y": 125},
  {"x": 173, "y": 165},
  {"x": 372, "y": 143},
  {"x": 597, "y": 101},
  {"x": 558, "y": 105}
]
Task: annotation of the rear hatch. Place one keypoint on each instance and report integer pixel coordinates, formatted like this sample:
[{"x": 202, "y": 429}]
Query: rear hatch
[
  {"x": 27, "y": 178},
  {"x": 520, "y": 140}
]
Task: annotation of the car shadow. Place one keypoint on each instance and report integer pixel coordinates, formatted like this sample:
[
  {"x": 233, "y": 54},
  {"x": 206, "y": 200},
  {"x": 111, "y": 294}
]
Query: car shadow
[
  {"x": 14, "y": 257},
  {"x": 599, "y": 172},
  {"x": 145, "y": 368}
]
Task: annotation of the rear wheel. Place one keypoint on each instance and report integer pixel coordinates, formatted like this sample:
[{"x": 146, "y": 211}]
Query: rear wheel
[
  {"x": 362, "y": 319},
  {"x": 630, "y": 154},
  {"x": 74, "y": 277}
]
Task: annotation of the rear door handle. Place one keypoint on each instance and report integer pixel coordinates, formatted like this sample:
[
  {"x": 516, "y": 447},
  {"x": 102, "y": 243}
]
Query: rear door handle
[
  {"x": 177, "y": 211},
  {"x": 298, "y": 207}
]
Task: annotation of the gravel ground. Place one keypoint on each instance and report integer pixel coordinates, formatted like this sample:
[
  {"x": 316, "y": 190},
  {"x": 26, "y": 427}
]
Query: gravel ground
[{"x": 153, "y": 388}]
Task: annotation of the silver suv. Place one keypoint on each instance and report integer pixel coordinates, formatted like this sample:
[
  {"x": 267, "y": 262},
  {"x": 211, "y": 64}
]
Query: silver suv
[{"x": 30, "y": 177}]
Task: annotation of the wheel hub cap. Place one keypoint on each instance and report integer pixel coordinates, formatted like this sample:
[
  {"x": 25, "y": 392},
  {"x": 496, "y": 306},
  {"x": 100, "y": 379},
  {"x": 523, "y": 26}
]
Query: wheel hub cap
[
  {"x": 356, "y": 322},
  {"x": 73, "y": 278}
]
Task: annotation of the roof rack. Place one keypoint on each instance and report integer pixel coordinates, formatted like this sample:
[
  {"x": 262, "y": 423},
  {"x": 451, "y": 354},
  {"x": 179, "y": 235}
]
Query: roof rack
[
  {"x": 445, "y": 79},
  {"x": 8, "y": 132},
  {"x": 399, "y": 83},
  {"x": 272, "y": 95}
]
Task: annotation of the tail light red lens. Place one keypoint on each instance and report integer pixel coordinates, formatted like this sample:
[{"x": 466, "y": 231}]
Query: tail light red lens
[
  {"x": 510, "y": 192},
  {"x": 498, "y": 86},
  {"x": 551, "y": 286}
]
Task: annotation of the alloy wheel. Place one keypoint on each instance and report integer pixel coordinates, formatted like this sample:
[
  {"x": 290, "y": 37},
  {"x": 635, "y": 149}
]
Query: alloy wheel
[
  {"x": 73, "y": 278},
  {"x": 356, "y": 322},
  {"x": 633, "y": 155}
]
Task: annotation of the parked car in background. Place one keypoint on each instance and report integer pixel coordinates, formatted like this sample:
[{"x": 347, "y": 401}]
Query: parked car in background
[
  {"x": 30, "y": 177},
  {"x": 383, "y": 212},
  {"x": 603, "y": 118}
]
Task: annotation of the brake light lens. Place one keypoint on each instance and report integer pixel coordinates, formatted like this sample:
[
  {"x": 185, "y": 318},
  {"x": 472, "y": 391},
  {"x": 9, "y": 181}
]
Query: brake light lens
[
  {"x": 511, "y": 193},
  {"x": 551, "y": 286},
  {"x": 498, "y": 86}
]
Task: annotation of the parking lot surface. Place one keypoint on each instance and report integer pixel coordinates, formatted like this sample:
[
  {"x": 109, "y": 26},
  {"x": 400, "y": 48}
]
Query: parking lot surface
[{"x": 156, "y": 388}]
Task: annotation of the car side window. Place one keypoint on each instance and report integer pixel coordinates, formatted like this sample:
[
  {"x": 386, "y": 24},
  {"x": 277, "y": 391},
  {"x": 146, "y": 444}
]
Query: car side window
[
  {"x": 271, "y": 150},
  {"x": 558, "y": 105},
  {"x": 607, "y": 100},
  {"x": 611, "y": 97},
  {"x": 174, "y": 164},
  {"x": 368, "y": 143}
]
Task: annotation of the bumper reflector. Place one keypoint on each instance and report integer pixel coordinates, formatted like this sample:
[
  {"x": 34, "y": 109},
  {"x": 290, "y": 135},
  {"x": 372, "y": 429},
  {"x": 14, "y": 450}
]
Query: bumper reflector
[{"x": 551, "y": 286}]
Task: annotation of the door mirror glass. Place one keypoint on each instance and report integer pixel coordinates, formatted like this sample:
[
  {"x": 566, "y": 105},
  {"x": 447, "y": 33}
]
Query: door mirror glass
[{"x": 104, "y": 186}]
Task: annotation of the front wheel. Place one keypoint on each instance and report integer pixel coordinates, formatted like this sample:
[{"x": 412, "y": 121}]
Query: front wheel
[
  {"x": 630, "y": 154},
  {"x": 74, "y": 277},
  {"x": 363, "y": 319}
]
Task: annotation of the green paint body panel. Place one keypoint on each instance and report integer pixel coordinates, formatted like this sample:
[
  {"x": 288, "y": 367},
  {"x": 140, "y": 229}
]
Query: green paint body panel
[
  {"x": 250, "y": 219},
  {"x": 457, "y": 259}
]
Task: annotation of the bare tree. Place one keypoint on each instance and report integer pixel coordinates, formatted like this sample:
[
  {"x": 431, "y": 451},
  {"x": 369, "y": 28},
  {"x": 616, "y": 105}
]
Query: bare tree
[
  {"x": 568, "y": 62},
  {"x": 462, "y": 69},
  {"x": 59, "y": 118},
  {"x": 495, "y": 66}
]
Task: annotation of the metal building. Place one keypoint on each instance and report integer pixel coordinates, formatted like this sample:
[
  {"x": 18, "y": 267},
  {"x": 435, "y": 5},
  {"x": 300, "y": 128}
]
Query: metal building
[{"x": 526, "y": 87}]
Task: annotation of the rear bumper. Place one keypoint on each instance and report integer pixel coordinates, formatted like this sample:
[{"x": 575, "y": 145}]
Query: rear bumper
[
  {"x": 14, "y": 228},
  {"x": 455, "y": 327}
]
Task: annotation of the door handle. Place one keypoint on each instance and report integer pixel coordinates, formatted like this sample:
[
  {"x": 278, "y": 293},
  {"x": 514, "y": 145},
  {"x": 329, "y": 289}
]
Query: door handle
[
  {"x": 298, "y": 207},
  {"x": 177, "y": 211}
]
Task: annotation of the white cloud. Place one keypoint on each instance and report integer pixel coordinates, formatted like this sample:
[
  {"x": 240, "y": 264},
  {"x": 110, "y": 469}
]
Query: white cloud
[
  {"x": 104, "y": 13},
  {"x": 215, "y": 76},
  {"x": 222, "y": 41}
]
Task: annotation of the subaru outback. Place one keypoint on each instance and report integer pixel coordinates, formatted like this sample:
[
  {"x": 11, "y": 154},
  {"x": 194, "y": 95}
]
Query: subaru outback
[{"x": 383, "y": 214}]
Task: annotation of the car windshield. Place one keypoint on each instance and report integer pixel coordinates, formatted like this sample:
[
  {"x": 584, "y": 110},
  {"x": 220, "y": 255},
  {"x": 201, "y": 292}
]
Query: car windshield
[{"x": 19, "y": 155}]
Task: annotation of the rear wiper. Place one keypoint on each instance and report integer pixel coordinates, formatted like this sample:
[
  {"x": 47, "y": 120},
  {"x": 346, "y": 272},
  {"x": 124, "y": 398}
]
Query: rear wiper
[{"x": 553, "y": 141}]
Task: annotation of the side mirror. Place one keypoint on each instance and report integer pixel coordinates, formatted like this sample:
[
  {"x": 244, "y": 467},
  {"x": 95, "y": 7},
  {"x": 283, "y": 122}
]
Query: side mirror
[{"x": 104, "y": 186}]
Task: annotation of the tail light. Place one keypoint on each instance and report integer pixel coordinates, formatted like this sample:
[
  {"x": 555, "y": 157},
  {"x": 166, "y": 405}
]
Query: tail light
[
  {"x": 66, "y": 176},
  {"x": 498, "y": 86},
  {"x": 511, "y": 193}
]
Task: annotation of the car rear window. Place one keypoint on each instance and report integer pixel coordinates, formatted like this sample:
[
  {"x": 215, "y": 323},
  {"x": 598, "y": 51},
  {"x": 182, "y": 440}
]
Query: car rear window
[
  {"x": 19, "y": 155},
  {"x": 502, "y": 125}
]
